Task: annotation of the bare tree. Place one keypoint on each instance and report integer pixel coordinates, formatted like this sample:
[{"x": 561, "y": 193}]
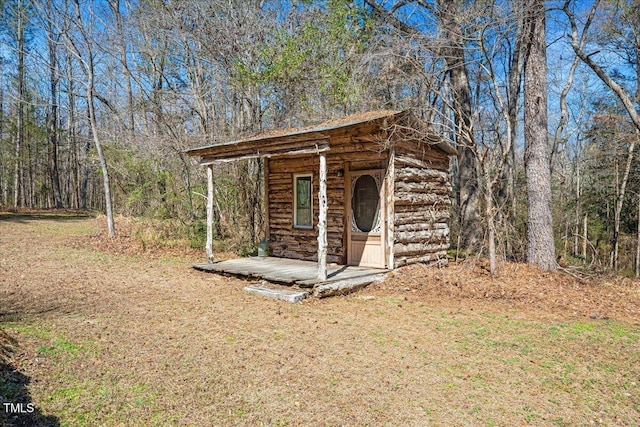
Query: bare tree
[
  {"x": 622, "y": 94},
  {"x": 496, "y": 154},
  {"x": 18, "y": 181},
  {"x": 621, "y": 191},
  {"x": 628, "y": 17},
  {"x": 450, "y": 47},
  {"x": 540, "y": 240},
  {"x": 82, "y": 47},
  {"x": 115, "y": 7},
  {"x": 513, "y": 100},
  {"x": 452, "y": 50},
  {"x": 53, "y": 113},
  {"x": 4, "y": 184}
]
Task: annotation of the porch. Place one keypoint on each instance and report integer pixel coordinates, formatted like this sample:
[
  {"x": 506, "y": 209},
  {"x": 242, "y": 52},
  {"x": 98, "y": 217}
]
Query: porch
[
  {"x": 293, "y": 272},
  {"x": 370, "y": 190}
]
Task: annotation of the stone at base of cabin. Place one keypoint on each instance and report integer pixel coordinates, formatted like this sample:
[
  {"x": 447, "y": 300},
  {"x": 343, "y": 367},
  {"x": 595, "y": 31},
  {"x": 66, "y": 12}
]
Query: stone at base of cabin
[
  {"x": 278, "y": 292},
  {"x": 342, "y": 287}
]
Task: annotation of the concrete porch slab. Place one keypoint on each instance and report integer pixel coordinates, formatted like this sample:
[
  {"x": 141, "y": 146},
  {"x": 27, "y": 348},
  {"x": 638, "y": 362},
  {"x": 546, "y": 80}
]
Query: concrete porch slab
[{"x": 288, "y": 271}]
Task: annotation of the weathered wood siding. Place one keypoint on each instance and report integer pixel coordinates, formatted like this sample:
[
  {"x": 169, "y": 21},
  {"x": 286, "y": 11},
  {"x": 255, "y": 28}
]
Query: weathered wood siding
[
  {"x": 286, "y": 240},
  {"x": 355, "y": 150},
  {"x": 421, "y": 204}
]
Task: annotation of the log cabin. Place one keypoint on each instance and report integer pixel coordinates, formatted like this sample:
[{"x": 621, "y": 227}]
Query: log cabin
[{"x": 367, "y": 190}]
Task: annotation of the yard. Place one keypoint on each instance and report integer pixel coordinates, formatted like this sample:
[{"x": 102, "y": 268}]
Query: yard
[{"x": 97, "y": 332}]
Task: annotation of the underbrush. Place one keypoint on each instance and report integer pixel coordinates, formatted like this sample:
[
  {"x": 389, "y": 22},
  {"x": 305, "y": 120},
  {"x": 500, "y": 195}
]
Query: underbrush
[
  {"x": 144, "y": 235},
  {"x": 167, "y": 233}
]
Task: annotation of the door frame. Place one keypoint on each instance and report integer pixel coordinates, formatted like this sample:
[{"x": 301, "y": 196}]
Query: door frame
[{"x": 380, "y": 178}]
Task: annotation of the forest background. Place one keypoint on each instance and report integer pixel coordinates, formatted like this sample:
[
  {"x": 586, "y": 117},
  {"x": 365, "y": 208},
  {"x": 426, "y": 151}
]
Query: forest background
[{"x": 99, "y": 100}]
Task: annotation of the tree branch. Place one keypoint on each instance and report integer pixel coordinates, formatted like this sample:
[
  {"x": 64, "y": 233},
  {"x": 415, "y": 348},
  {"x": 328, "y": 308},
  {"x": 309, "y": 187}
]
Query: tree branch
[
  {"x": 577, "y": 45},
  {"x": 391, "y": 19}
]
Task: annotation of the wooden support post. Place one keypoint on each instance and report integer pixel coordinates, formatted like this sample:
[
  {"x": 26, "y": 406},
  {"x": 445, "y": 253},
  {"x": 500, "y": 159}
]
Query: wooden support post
[
  {"x": 390, "y": 211},
  {"x": 267, "y": 230},
  {"x": 322, "y": 219},
  {"x": 209, "y": 245}
]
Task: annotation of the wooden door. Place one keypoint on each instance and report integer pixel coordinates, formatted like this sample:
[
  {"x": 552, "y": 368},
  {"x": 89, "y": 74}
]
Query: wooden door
[{"x": 366, "y": 219}]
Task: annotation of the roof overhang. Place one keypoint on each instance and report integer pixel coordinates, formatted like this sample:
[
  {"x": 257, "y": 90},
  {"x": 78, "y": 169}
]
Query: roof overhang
[
  {"x": 233, "y": 153},
  {"x": 316, "y": 139}
]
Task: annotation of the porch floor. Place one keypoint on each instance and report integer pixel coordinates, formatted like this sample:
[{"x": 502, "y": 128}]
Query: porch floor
[{"x": 291, "y": 271}]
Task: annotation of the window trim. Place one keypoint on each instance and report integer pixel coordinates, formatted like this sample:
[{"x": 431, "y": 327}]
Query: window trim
[{"x": 295, "y": 200}]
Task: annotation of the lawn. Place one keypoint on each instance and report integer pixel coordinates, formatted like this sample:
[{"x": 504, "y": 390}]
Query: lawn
[{"x": 96, "y": 336}]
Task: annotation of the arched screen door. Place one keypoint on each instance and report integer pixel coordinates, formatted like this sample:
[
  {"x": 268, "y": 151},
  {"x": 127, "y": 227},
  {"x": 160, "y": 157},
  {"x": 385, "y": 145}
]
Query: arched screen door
[{"x": 365, "y": 236}]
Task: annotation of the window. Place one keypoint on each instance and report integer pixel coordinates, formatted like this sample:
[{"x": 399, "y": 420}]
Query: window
[
  {"x": 302, "y": 201},
  {"x": 365, "y": 204}
]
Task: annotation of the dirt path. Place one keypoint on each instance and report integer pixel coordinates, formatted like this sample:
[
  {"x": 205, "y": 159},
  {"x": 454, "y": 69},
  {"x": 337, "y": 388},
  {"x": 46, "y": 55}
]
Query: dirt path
[{"x": 142, "y": 339}]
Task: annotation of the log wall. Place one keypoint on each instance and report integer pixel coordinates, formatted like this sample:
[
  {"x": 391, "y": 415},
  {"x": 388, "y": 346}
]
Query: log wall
[
  {"x": 347, "y": 151},
  {"x": 421, "y": 204}
]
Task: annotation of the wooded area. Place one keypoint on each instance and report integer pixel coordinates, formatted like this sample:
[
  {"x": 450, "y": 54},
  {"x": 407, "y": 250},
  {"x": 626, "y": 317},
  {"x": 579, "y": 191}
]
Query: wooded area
[{"x": 100, "y": 99}]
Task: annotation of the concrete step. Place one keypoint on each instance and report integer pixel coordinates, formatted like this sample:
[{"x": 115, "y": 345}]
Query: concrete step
[{"x": 271, "y": 290}]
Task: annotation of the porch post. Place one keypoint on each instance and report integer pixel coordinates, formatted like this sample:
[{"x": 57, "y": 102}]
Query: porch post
[
  {"x": 265, "y": 194},
  {"x": 209, "y": 245},
  {"x": 322, "y": 219},
  {"x": 390, "y": 214}
]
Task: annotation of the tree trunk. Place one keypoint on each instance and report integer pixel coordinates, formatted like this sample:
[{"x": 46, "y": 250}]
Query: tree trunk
[
  {"x": 53, "y": 119},
  {"x": 638, "y": 243},
  {"x": 578, "y": 211},
  {"x": 585, "y": 237},
  {"x": 130, "y": 123},
  {"x": 541, "y": 248},
  {"x": 83, "y": 191},
  {"x": 28, "y": 185},
  {"x": 621, "y": 192},
  {"x": 88, "y": 68},
  {"x": 18, "y": 195},
  {"x": 4, "y": 185},
  {"x": 469, "y": 196},
  {"x": 96, "y": 140},
  {"x": 74, "y": 166},
  {"x": 157, "y": 124},
  {"x": 637, "y": 74},
  {"x": 489, "y": 213},
  {"x": 513, "y": 96}
]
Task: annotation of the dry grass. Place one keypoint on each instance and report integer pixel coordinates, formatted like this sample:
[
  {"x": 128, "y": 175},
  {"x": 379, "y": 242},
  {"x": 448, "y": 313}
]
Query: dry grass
[{"x": 133, "y": 338}]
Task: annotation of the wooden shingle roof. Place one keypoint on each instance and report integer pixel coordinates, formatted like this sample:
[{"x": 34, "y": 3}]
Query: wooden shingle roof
[{"x": 315, "y": 138}]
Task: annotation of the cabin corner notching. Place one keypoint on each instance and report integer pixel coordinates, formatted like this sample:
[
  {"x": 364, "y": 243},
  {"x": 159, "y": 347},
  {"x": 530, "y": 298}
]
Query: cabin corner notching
[{"x": 370, "y": 190}]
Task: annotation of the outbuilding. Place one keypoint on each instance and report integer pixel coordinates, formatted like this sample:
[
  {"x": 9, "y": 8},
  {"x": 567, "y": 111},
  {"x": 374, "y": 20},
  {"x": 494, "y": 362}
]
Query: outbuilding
[{"x": 369, "y": 190}]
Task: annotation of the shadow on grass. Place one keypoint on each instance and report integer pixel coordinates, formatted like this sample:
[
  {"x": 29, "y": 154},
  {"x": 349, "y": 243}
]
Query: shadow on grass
[
  {"x": 17, "y": 312},
  {"x": 56, "y": 215},
  {"x": 16, "y": 407}
]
